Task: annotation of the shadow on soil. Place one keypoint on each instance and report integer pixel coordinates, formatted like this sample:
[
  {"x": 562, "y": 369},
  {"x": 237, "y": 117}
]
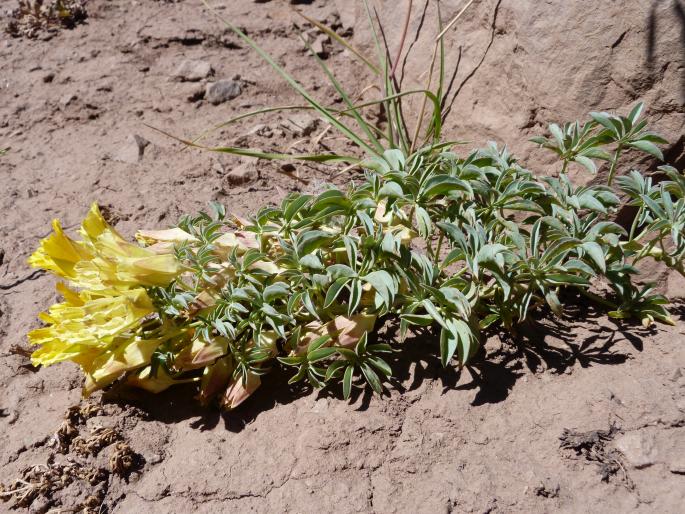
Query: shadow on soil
[{"x": 584, "y": 338}]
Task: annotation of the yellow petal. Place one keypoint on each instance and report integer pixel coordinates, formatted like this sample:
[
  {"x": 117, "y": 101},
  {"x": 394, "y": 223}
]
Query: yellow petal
[
  {"x": 94, "y": 224},
  {"x": 58, "y": 253}
]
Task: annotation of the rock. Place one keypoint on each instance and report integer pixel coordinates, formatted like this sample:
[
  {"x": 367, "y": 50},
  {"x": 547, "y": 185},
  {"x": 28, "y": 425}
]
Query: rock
[
  {"x": 245, "y": 173},
  {"x": 301, "y": 124},
  {"x": 155, "y": 458},
  {"x": 132, "y": 150},
  {"x": 223, "y": 90},
  {"x": 193, "y": 70},
  {"x": 547, "y": 489},
  {"x": 49, "y": 77},
  {"x": 639, "y": 448}
]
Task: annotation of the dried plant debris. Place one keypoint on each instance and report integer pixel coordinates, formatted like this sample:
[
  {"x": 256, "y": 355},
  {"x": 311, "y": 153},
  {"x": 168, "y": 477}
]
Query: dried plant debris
[
  {"x": 123, "y": 460},
  {"x": 43, "y": 483},
  {"x": 592, "y": 446},
  {"x": 68, "y": 429},
  {"x": 100, "y": 438},
  {"x": 44, "y": 480},
  {"x": 32, "y": 17}
]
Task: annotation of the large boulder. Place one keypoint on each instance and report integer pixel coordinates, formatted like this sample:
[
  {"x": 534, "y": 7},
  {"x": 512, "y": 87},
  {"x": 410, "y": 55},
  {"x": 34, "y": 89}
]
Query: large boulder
[{"x": 524, "y": 63}]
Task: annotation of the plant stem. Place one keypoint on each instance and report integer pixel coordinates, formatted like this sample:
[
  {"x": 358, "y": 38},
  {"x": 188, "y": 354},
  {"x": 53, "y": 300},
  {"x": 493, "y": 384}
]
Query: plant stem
[
  {"x": 437, "y": 251},
  {"x": 614, "y": 162}
]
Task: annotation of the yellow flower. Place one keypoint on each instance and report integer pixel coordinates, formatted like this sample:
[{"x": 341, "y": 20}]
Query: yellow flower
[
  {"x": 86, "y": 323},
  {"x": 124, "y": 355},
  {"x": 103, "y": 259}
]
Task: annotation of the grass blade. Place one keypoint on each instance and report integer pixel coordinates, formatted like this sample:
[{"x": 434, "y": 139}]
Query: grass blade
[
  {"x": 272, "y": 156},
  {"x": 345, "y": 130},
  {"x": 334, "y": 35},
  {"x": 352, "y": 110}
]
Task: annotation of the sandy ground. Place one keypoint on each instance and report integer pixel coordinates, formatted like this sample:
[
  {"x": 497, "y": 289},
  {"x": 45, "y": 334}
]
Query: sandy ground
[{"x": 582, "y": 415}]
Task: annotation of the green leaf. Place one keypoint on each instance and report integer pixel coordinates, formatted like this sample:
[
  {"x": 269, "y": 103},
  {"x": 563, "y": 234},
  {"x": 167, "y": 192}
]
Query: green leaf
[
  {"x": 381, "y": 366},
  {"x": 320, "y": 354},
  {"x": 647, "y": 147},
  {"x": 391, "y": 190},
  {"x": 588, "y": 163},
  {"x": 636, "y": 112},
  {"x": 466, "y": 338},
  {"x": 423, "y": 221},
  {"x": 295, "y": 206},
  {"x": 341, "y": 271},
  {"x": 433, "y": 312},
  {"x": 311, "y": 240},
  {"x": 448, "y": 346},
  {"x": 318, "y": 343},
  {"x": 383, "y": 283},
  {"x": 557, "y": 133},
  {"x": 275, "y": 290},
  {"x": 603, "y": 119},
  {"x": 423, "y": 320},
  {"x": 441, "y": 185},
  {"x": 395, "y": 159},
  {"x": 355, "y": 296},
  {"x": 566, "y": 279},
  {"x": 540, "y": 140},
  {"x": 594, "y": 250},
  {"x": 311, "y": 261},
  {"x": 334, "y": 367},
  {"x": 372, "y": 378},
  {"x": 347, "y": 382},
  {"x": 334, "y": 291},
  {"x": 553, "y": 301}
]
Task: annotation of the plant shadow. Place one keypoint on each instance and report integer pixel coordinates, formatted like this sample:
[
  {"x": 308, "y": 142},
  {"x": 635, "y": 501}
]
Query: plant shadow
[
  {"x": 179, "y": 403},
  {"x": 584, "y": 337}
]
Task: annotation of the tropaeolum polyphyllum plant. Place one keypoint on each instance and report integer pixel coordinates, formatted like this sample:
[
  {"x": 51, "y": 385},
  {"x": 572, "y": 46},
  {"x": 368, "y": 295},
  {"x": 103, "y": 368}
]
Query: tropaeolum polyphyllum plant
[{"x": 429, "y": 238}]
